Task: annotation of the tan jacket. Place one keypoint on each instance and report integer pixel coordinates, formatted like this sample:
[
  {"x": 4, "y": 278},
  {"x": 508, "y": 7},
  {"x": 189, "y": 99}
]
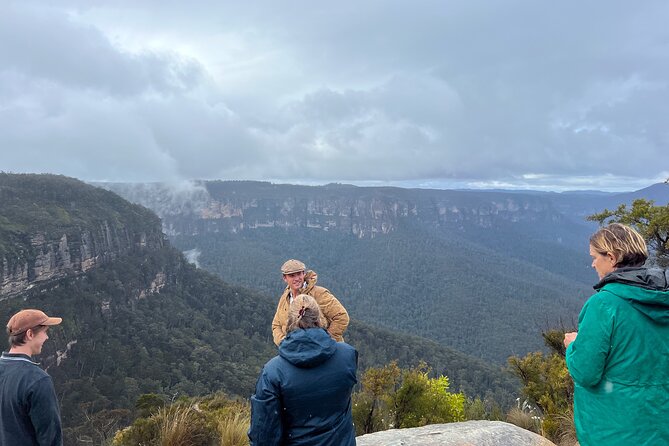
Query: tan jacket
[{"x": 334, "y": 312}]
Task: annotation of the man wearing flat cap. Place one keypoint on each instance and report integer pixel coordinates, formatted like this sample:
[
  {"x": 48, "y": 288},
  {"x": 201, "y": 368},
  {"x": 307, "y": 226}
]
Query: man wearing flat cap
[
  {"x": 29, "y": 413},
  {"x": 300, "y": 281}
]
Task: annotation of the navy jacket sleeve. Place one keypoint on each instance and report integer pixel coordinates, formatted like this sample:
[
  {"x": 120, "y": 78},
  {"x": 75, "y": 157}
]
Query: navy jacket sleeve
[
  {"x": 44, "y": 413},
  {"x": 266, "y": 428}
]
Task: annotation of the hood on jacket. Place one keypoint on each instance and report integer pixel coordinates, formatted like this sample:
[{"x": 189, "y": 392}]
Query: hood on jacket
[
  {"x": 310, "y": 279},
  {"x": 307, "y": 347},
  {"x": 649, "y": 278},
  {"x": 651, "y": 290}
]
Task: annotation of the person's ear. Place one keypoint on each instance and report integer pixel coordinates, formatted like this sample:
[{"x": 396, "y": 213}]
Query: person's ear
[
  {"x": 30, "y": 334},
  {"x": 612, "y": 258}
]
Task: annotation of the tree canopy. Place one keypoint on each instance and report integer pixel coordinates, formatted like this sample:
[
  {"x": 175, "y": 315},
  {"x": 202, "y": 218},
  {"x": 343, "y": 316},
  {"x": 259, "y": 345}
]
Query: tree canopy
[{"x": 650, "y": 220}]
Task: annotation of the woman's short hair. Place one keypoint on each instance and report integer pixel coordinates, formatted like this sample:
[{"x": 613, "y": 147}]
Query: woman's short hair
[
  {"x": 626, "y": 244},
  {"x": 304, "y": 312}
]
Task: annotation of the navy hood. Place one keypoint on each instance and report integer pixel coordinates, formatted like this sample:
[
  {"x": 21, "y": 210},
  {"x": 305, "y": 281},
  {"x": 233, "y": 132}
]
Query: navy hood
[{"x": 307, "y": 347}]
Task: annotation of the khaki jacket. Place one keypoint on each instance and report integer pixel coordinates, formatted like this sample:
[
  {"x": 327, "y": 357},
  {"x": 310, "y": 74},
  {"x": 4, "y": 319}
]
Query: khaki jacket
[{"x": 334, "y": 312}]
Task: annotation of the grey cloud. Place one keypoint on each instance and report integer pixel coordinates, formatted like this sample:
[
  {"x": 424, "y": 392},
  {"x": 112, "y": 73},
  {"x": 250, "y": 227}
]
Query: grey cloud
[
  {"x": 421, "y": 127},
  {"x": 473, "y": 92},
  {"x": 204, "y": 141},
  {"x": 511, "y": 73},
  {"x": 47, "y": 44},
  {"x": 88, "y": 138}
]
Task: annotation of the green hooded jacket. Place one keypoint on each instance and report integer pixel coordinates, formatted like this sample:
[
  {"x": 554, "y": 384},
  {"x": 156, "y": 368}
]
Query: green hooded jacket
[{"x": 620, "y": 361}]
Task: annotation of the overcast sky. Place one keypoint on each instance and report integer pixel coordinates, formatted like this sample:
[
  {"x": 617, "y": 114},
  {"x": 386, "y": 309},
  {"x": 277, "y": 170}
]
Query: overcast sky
[{"x": 512, "y": 94}]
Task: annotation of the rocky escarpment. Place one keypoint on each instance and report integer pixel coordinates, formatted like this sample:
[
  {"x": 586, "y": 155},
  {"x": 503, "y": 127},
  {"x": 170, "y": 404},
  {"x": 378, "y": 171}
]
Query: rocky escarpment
[
  {"x": 47, "y": 259},
  {"x": 237, "y": 206},
  {"x": 52, "y": 227}
]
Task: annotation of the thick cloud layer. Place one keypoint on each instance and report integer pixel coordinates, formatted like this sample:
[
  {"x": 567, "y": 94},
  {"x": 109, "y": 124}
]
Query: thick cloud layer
[{"x": 438, "y": 94}]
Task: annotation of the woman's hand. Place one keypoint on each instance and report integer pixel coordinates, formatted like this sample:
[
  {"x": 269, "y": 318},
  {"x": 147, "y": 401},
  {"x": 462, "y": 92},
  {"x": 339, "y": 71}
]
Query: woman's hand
[{"x": 569, "y": 338}]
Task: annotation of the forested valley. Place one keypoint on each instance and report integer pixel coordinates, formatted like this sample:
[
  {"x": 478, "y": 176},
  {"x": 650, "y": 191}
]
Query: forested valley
[{"x": 146, "y": 333}]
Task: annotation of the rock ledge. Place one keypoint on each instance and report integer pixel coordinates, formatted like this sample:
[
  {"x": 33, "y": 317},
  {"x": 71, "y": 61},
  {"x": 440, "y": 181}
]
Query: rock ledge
[{"x": 468, "y": 433}]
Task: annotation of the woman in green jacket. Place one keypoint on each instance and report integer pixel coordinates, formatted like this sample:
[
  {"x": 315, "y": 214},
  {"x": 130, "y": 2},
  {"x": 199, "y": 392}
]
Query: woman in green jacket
[{"x": 620, "y": 359}]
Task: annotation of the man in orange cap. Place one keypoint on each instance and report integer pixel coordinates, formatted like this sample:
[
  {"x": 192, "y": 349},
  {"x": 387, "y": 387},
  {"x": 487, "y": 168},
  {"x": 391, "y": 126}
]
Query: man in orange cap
[
  {"x": 29, "y": 413},
  {"x": 300, "y": 281}
]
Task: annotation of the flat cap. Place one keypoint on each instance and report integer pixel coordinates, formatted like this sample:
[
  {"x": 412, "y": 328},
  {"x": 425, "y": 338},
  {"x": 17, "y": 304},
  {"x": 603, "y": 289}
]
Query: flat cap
[
  {"x": 292, "y": 266},
  {"x": 26, "y": 319}
]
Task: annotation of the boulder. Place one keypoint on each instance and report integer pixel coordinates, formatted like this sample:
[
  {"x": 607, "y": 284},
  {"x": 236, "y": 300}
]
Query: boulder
[{"x": 468, "y": 433}]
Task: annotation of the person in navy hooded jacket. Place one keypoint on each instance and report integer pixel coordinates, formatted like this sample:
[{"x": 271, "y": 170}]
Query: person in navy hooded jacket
[{"x": 303, "y": 395}]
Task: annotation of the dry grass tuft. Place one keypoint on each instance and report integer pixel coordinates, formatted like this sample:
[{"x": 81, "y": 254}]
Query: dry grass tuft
[
  {"x": 181, "y": 426},
  {"x": 524, "y": 419},
  {"x": 233, "y": 428},
  {"x": 567, "y": 430}
]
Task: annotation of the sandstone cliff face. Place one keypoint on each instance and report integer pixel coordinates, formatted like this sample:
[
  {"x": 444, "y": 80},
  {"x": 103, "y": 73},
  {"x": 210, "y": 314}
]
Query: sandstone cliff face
[
  {"x": 51, "y": 258},
  {"x": 363, "y": 212},
  {"x": 363, "y": 217}
]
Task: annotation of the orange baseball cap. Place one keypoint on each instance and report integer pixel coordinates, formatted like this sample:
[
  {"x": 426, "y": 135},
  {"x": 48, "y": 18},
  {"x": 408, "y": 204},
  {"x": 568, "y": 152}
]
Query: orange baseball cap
[{"x": 26, "y": 319}]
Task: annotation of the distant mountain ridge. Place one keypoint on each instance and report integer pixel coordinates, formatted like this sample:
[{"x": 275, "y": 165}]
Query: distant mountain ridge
[
  {"x": 214, "y": 206},
  {"x": 238, "y": 206},
  {"x": 578, "y": 206}
]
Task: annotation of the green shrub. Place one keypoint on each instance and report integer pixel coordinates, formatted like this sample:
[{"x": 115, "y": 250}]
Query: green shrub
[
  {"x": 421, "y": 400},
  {"x": 394, "y": 398},
  {"x": 143, "y": 432},
  {"x": 487, "y": 409},
  {"x": 148, "y": 404},
  {"x": 548, "y": 387}
]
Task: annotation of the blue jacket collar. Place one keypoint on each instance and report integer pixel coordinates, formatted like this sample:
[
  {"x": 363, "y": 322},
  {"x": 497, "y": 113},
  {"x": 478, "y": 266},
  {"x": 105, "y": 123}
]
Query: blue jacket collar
[{"x": 17, "y": 357}]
